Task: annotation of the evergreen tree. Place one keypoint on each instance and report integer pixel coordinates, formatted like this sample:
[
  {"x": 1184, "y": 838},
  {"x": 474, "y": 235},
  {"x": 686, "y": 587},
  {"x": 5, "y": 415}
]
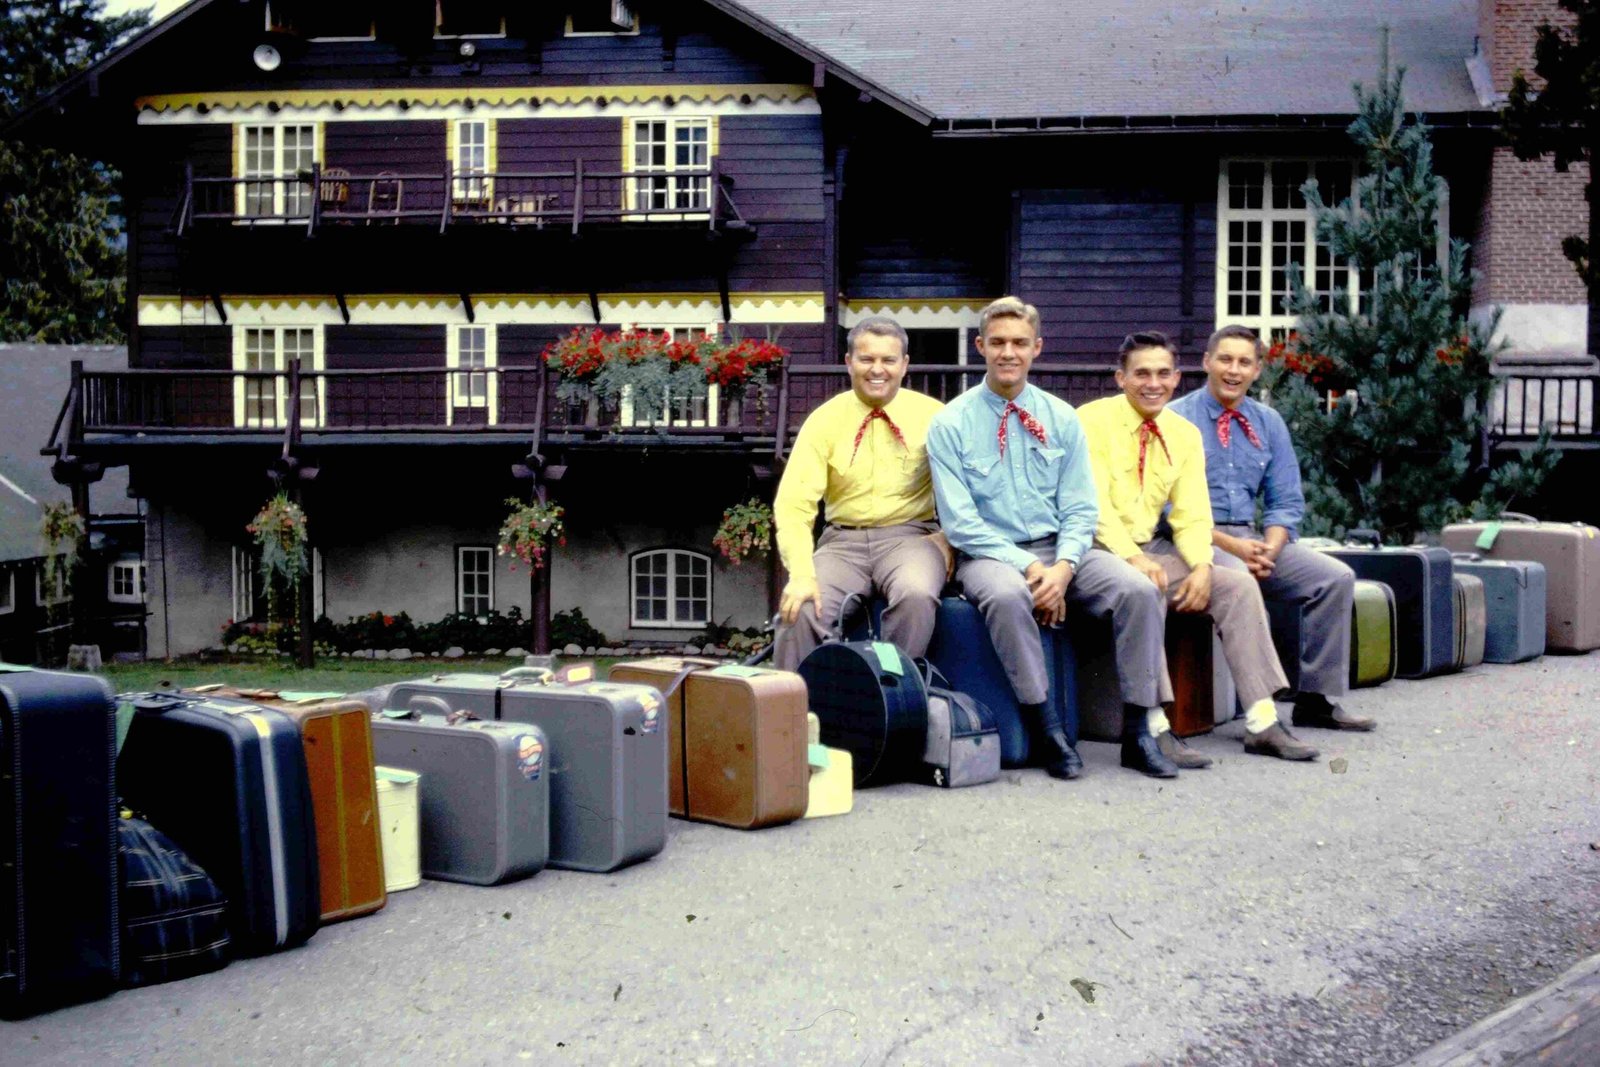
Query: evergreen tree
[
  {"x": 62, "y": 253},
  {"x": 1562, "y": 120},
  {"x": 1398, "y": 450}
]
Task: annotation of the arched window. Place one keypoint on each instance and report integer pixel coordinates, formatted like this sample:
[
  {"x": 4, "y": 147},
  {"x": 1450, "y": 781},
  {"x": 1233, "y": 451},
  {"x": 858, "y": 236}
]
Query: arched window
[{"x": 670, "y": 588}]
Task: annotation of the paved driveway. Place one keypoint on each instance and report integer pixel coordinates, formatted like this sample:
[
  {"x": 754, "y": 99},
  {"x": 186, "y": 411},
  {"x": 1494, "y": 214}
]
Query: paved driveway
[{"x": 1256, "y": 912}]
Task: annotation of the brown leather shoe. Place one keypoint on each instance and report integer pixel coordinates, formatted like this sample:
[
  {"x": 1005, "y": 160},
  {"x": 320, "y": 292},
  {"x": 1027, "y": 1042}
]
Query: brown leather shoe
[
  {"x": 1316, "y": 711},
  {"x": 1174, "y": 749},
  {"x": 1277, "y": 741}
]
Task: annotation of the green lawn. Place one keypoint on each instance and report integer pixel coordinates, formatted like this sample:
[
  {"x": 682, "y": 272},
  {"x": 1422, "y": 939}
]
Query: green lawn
[{"x": 272, "y": 672}]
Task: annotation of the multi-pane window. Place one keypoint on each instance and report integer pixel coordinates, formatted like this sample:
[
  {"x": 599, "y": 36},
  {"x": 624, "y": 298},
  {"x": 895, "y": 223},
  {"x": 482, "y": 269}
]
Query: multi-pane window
[
  {"x": 469, "y": 18},
  {"x": 471, "y": 159},
  {"x": 275, "y": 163},
  {"x": 471, "y": 352},
  {"x": 8, "y": 592},
  {"x": 474, "y": 580},
  {"x": 670, "y": 164},
  {"x": 264, "y": 353},
  {"x": 1267, "y": 236},
  {"x": 125, "y": 582},
  {"x": 671, "y": 588}
]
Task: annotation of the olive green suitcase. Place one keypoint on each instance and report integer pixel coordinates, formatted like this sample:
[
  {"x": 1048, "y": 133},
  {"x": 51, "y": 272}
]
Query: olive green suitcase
[{"x": 1374, "y": 648}]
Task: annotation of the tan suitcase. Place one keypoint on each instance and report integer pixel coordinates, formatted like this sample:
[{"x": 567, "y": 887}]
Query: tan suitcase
[
  {"x": 1570, "y": 552},
  {"x": 736, "y": 739}
]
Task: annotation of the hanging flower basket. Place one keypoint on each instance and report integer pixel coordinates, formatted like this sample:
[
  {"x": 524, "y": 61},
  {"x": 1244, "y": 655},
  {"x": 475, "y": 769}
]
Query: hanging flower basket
[
  {"x": 530, "y": 530},
  {"x": 280, "y": 534},
  {"x": 746, "y": 530}
]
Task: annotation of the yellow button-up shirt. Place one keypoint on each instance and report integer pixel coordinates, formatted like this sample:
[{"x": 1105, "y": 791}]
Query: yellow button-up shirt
[
  {"x": 1129, "y": 510},
  {"x": 883, "y": 483}
]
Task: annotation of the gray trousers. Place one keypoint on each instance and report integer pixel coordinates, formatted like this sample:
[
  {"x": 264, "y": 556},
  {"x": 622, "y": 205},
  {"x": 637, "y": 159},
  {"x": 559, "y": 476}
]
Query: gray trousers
[
  {"x": 1324, "y": 588},
  {"x": 1104, "y": 586},
  {"x": 897, "y": 561}
]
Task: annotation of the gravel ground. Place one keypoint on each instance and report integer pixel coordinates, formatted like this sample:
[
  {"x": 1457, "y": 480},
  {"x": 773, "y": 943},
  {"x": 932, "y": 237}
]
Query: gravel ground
[{"x": 1259, "y": 912}]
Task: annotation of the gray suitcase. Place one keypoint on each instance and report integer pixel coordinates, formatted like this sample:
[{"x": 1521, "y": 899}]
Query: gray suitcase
[
  {"x": 485, "y": 792},
  {"x": 608, "y": 767},
  {"x": 1514, "y": 591},
  {"x": 1471, "y": 620}
]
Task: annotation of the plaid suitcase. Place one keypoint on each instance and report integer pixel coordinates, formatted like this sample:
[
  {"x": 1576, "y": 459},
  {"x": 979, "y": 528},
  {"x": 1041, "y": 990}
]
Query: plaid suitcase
[{"x": 174, "y": 918}]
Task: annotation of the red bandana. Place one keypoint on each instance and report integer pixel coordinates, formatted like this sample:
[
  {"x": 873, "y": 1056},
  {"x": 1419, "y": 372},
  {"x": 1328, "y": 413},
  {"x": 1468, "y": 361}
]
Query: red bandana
[
  {"x": 1029, "y": 423},
  {"x": 876, "y": 413},
  {"x": 1147, "y": 430},
  {"x": 1224, "y": 429}
]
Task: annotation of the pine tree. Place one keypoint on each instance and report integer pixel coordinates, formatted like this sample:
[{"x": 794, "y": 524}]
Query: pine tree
[
  {"x": 62, "y": 256},
  {"x": 1399, "y": 448}
]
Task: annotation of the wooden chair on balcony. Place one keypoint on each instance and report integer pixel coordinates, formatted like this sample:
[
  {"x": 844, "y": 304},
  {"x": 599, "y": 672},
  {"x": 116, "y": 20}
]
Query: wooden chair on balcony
[{"x": 385, "y": 198}]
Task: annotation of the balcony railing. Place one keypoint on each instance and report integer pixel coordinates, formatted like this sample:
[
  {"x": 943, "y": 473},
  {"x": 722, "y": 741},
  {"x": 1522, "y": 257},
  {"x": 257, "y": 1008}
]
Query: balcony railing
[{"x": 567, "y": 199}]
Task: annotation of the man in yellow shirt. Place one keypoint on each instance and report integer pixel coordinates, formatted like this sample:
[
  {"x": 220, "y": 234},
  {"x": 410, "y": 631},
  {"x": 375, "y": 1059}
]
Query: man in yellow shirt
[
  {"x": 862, "y": 455},
  {"x": 1146, "y": 458}
]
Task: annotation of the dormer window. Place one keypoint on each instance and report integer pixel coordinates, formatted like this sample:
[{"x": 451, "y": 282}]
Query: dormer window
[
  {"x": 602, "y": 18},
  {"x": 350, "y": 21},
  {"x": 468, "y": 18}
]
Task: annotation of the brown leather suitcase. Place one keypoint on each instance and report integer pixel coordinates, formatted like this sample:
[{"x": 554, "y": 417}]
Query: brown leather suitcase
[
  {"x": 337, "y": 736},
  {"x": 736, "y": 739}
]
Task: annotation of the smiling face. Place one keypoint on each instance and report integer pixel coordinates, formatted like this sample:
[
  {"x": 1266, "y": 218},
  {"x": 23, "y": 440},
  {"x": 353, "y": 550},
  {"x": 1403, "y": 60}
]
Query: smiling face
[
  {"x": 877, "y": 365},
  {"x": 1231, "y": 369},
  {"x": 1147, "y": 378},
  {"x": 1008, "y": 347}
]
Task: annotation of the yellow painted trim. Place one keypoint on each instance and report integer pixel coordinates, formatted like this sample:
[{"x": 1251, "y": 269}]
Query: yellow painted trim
[{"x": 444, "y": 97}]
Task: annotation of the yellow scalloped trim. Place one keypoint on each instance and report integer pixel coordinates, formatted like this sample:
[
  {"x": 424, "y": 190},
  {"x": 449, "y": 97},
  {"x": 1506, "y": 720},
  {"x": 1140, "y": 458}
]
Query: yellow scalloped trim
[{"x": 448, "y": 97}]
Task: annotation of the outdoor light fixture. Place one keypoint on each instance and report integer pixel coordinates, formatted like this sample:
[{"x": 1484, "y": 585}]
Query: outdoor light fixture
[{"x": 266, "y": 57}]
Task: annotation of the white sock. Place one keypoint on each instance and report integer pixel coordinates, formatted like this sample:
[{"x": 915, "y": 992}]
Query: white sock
[
  {"x": 1156, "y": 718},
  {"x": 1260, "y": 715}
]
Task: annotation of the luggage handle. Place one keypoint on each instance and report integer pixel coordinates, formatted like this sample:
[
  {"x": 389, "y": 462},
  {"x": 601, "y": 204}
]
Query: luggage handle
[{"x": 1363, "y": 536}]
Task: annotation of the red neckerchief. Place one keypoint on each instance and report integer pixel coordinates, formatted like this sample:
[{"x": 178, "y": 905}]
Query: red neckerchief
[
  {"x": 1147, "y": 430},
  {"x": 1029, "y": 423},
  {"x": 876, "y": 413},
  {"x": 1224, "y": 429}
]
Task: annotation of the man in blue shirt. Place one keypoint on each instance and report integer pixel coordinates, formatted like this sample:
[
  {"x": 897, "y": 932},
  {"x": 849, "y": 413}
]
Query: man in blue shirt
[
  {"x": 1249, "y": 457},
  {"x": 1017, "y": 501}
]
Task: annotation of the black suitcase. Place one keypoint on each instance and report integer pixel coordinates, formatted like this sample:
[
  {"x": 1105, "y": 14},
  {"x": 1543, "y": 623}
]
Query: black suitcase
[
  {"x": 59, "y": 938},
  {"x": 1424, "y": 599},
  {"x": 870, "y": 699},
  {"x": 174, "y": 918},
  {"x": 226, "y": 780}
]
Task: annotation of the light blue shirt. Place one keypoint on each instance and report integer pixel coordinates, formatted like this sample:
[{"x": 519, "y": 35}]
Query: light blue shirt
[
  {"x": 1241, "y": 473},
  {"x": 990, "y": 504}
]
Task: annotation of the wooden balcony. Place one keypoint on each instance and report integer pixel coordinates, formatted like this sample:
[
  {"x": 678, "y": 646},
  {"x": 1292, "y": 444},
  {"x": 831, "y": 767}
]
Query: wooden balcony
[{"x": 568, "y": 201}]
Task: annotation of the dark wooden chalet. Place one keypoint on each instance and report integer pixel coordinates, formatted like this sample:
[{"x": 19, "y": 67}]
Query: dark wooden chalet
[{"x": 355, "y": 226}]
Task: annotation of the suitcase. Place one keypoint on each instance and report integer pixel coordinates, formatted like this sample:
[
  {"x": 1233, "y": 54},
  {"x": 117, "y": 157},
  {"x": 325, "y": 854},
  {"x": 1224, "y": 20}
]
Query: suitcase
[
  {"x": 400, "y": 821},
  {"x": 174, "y": 918},
  {"x": 1472, "y": 621},
  {"x": 1372, "y": 635},
  {"x": 963, "y": 746},
  {"x": 226, "y": 780},
  {"x": 963, "y": 653},
  {"x": 736, "y": 739},
  {"x": 485, "y": 795},
  {"x": 1203, "y": 692},
  {"x": 608, "y": 766},
  {"x": 59, "y": 931},
  {"x": 1424, "y": 600},
  {"x": 1570, "y": 553},
  {"x": 337, "y": 739},
  {"x": 1514, "y": 591}
]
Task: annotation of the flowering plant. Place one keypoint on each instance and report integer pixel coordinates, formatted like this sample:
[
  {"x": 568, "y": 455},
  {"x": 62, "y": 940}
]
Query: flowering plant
[
  {"x": 530, "y": 530},
  {"x": 279, "y": 529},
  {"x": 746, "y": 530}
]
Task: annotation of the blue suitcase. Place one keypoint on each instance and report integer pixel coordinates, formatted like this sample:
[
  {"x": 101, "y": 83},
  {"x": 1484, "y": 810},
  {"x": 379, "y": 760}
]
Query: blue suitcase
[
  {"x": 1424, "y": 598},
  {"x": 59, "y": 930},
  {"x": 962, "y": 651},
  {"x": 1515, "y": 591},
  {"x": 226, "y": 781}
]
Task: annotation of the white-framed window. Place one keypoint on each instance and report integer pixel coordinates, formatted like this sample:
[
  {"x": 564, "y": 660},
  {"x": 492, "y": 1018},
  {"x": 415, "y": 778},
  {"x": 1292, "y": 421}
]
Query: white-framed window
[
  {"x": 275, "y": 160},
  {"x": 470, "y": 350},
  {"x": 50, "y": 588},
  {"x": 668, "y": 163},
  {"x": 468, "y": 18},
  {"x": 675, "y": 411},
  {"x": 602, "y": 18},
  {"x": 353, "y": 20},
  {"x": 472, "y": 148},
  {"x": 474, "y": 579},
  {"x": 671, "y": 589},
  {"x": 263, "y": 402},
  {"x": 8, "y": 592},
  {"x": 125, "y": 581}
]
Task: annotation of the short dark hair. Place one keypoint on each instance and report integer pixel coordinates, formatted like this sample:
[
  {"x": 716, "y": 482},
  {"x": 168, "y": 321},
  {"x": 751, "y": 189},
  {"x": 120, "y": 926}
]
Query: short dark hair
[
  {"x": 878, "y": 326},
  {"x": 1146, "y": 339},
  {"x": 1234, "y": 332}
]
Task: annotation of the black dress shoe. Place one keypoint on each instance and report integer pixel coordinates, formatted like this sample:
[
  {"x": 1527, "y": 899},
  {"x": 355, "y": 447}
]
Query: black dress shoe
[
  {"x": 1277, "y": 741},
  {"x": 1173, "y": 747},
  {"x": 1317, "y": 711}
]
